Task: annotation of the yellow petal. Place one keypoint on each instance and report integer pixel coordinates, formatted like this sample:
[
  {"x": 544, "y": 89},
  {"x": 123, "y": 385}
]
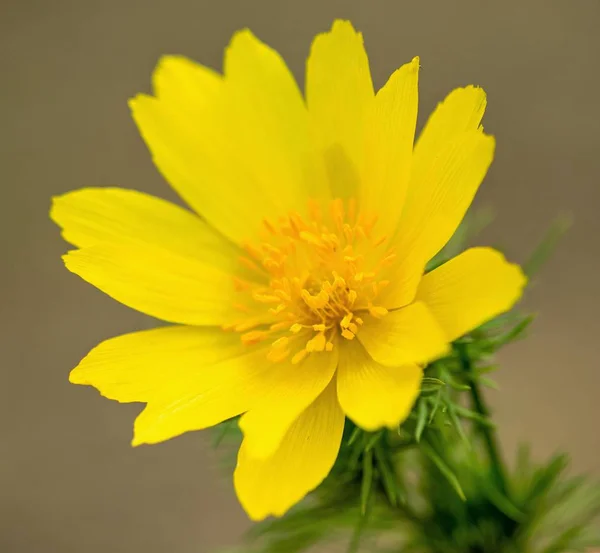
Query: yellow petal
[
  {"x": 159, "y": 283},
  {"x": 198, "y": 163},
  {"x": 140, "y": 366},
  {"x": 438, "y": 193},
  {"x": 470, "y": 289},
  {"x": 372, "y": 395},
  {"x": 435, "y": 206},
  {"x": 92, "y": 216},
  {"x": 408, "y": 335},
  {"x": 304, "y": 458},
  {"x": 191, "y": 378},
  {"x": 292, "y": 389},
  {"x": 179, "y": 81},
  {"x": 242, "y": 150},
  {"x": 207, "y": 395},
  {"x": 451, "y": 158},
  {"x": 461, "y": 111},
  {"x": 269, "y": 120},
  {"x": 390, "y": 132},
  {"x": 339, "y": 93}
]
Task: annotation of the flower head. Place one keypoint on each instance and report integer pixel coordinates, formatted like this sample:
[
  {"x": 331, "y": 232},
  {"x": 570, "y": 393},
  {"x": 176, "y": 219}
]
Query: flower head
[{"x": 297, "y": 285}]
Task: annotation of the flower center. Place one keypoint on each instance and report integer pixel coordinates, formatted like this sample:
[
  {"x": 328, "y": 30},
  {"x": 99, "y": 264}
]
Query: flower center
[{"x": 323, "y": 272}]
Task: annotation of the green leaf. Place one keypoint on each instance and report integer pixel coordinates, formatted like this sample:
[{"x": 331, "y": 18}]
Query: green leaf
[
  {"x": 223, "y": 430},
  {"x": 421, "y": 420},
  {"x": 354, "y": 436},
  {"x": 430, "y": 384},
  {"x": 486, "y": 369},
  {"x": 499, "y": 322},
  {"x": 444, "y": 469},
  {"x": 514, "y": 333},
  {"x": 503, "y": 503},
  {"x": 354, "y": 457},
  {"x": 433, "y": 382},
  {"x": 359, "y": 529},
  {"x": 367, "y": 480},
  {"x": 474, "y": 416},
  {"x": 471, "y": 225},
  {"x": 488, "y": 383},
  {"x": 373, "y": 439},
  {"x": 456, "y": 424},
  {"x": 454, "y": 384},
  {"x": 564, "y": 542},
  {"x": 436, "y": 404},
  {"x": 547, "y": 246},
  {"x": 545, "y": 478},
  {"x": 388, "y": 478}
]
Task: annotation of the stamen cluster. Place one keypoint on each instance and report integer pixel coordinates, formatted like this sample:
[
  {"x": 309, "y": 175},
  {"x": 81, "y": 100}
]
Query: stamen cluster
[{"x": 323, "y": 273}]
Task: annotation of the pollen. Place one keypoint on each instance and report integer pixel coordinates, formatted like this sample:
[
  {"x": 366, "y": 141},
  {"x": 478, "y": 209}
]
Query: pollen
[{"x": 323, "y": 272}]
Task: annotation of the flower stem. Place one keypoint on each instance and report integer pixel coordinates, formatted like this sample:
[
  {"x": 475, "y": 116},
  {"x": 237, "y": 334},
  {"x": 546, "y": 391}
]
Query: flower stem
[{"x": 487, "y": 433}]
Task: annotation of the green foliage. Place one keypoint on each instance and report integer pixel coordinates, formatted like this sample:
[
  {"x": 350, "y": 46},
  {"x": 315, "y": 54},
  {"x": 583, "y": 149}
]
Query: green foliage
[
  {"x": 471, "y": 226},
  {"x": 547, "y": 246},
  {"x": 438, "y": 484}
]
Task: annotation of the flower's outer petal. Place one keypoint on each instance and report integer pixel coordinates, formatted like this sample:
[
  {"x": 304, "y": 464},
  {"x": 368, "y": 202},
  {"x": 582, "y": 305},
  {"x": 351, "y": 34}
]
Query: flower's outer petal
[
  {"x": 235, "y": 385},
  {"x": 372, "y": 395},
  {"x": 159, "y": 283},
  {"x": 470, "y": 289},
  {"x": 339, "y": 94},
  {"x": 434, "y": 208},
  {"x": 304, "y": 458},
  {"x": 427, "y": 222},
  {"x": 461, "y": 111},
  {"x": 191, "y": 377},
  {"x": 389, "y": 137},
  {"x": 271, "y": 123},
  {"x": 200, "y": 165},
  {"x": 291, "y": 391},
  {"x": 140, "y": 366},
  {"x": 238, "y": 147},
  {"x": 407, "y": 335},
  {"x": 92, "y": 216},
  {"x": 180, "y": 81}
]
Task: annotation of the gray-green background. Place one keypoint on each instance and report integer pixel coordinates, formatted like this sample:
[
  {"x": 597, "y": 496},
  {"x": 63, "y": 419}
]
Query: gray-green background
[{"x": 69, "y": 481}]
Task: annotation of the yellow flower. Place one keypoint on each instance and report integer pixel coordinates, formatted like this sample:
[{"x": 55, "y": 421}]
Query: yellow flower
[{"x": 297, "y": 287}]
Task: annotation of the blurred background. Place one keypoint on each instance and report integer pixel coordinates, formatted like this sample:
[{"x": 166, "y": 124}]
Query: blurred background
[{"x": 69, "y": 480}]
